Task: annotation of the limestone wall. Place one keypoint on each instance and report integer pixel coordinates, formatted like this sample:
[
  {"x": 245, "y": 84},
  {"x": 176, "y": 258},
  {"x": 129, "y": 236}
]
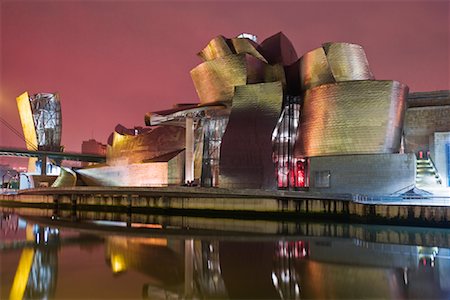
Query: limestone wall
[
  {"x": 438, "y": 154},
  {"x": 421, "y": 123},
  {"x": 366, "y": 174}
]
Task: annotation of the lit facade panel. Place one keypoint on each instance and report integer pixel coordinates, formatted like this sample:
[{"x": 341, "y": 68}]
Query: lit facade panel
[
  {"x": 215, "y": 80},
  {"x": 314, "y": 69},
  {"x": 67, "y": 178},
  {"x": 259, "y": 71},
  {"x": 347, "y": 61},
  {"x": 142, "y": 174},
  {"x": 356, "y": 117},
  {"x": 244, "y": 45},
  {"x": 334, "y": 62},
  {"x": 246, "y": 150},
  {"x": 216, "y": 48},
  {"x": 26, "y": 118},
  {"x": 145, "y": 146},
  {"x": 40, "y": 116}
]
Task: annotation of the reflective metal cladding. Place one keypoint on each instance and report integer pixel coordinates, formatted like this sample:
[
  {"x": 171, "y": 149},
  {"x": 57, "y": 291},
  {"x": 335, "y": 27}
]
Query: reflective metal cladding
[
  {"x": 334, "y": 62},
  {"x": 352, "y": 117},
  {"x": 264, "y": 112},
  {"x": 40, "y": 115},
  {"x": 246, "y": 151},
  {"x": 346, "y": 111},
  {"x": 251, "y": 80}
]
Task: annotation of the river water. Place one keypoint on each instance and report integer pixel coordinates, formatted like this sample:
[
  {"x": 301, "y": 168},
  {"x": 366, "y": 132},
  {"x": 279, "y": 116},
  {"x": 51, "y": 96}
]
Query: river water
[{"x": 111, "y": 255}]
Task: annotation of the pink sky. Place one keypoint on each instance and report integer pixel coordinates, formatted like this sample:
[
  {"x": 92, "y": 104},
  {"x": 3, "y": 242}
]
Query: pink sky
[{"x": 113, "y": 61}]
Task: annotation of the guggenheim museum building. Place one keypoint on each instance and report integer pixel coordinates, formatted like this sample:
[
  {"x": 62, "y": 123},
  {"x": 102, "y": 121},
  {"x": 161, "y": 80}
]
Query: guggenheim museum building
[{"x": 269, "y": 119}]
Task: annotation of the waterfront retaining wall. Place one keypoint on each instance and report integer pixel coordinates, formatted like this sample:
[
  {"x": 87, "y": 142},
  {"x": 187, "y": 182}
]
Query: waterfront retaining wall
[
  {"x": 367, "y": 174},
  {"x": 234, "y": 205}
]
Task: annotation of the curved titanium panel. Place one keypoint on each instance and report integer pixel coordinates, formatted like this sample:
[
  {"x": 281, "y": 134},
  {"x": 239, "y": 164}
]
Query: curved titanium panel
[
  {"x": 130, "y": 149},
  {"x": 354, "y": 117},
  {"x": 278, "y": 49},
  {"x": 216, "y": 48},
  {"x": 67, "y": 178},
  {"x": 26, "y": 119},
  {"x": 334, "y": 62},
  {"x": 246, "y": 150},
  {"x": 347, "y": 61},
  {"x": 215, "y": 80},
  {"x": 314, "y": 69},
  {"x": 242, "y": 45},
  {"x": 259, "y": 71}
]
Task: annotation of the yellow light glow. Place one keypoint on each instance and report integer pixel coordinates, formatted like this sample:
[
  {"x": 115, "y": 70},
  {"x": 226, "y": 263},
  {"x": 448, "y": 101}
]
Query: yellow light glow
[
  {"x": 26, "y": 118},
  {"x": 22, "y": 274},
  {"x": 118, "y": 263}
]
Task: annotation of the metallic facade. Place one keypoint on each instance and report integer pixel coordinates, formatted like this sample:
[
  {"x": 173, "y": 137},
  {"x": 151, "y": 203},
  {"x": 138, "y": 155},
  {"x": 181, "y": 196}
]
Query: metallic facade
[
  {"x": 278, "y": 49},
  {"x": 347, "y": 62},
  {"x": 216, "y": 48},
  {"x": 314, "y": 69},
  {"x": 26, "y": 118},
  {"x": 40, "y": 116},
  {"x": 144, "y": 145},
  {"x": 236, "y": 147},
  {"x": 356, "y": 117},
  {"x": 345, "y": 111},
  {"x": 67, "y": 178},
  {"x": 47, "y": 120},
  {"x": 215, "y": 80},
  {"x": 334, "y": 62},
  {"x": 339, "y": 109},
  {"x": 264, "y": 113},
  {"x": 246, "y": 150},
  {"x": 243, "y": 45}
]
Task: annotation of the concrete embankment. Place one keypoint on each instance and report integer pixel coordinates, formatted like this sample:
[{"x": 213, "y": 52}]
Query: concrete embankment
[{"x": 235, "y": 203}]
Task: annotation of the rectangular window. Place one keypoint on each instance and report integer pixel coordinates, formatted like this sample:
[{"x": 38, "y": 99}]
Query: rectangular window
[{"x": 322, "y": 179}]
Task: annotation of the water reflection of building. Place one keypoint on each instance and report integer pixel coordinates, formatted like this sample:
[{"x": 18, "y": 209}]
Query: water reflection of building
[
  {"x": 285, "y": 278},
  {"x": 312, "y": 267},
  {"x": 174, "y": 267},
  {"x": 37, "y": 272}
]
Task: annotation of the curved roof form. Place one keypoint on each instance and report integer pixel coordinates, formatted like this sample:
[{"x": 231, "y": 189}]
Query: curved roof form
[
  {"x": 278, "y": 49},
  {"x": 220, "y": 47},
  {"x": 216, "y": 48},
  {"x": 315, "y": 69},
  {"x": 247, "y": 46},
  {"x": 334, "y": 62},
  {"x": 347, "y": 62},
  {"x": 214, "y": 80}
]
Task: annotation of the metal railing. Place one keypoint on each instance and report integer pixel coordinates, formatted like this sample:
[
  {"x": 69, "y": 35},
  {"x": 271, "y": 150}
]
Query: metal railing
[{"x": 428, "y": 200}]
